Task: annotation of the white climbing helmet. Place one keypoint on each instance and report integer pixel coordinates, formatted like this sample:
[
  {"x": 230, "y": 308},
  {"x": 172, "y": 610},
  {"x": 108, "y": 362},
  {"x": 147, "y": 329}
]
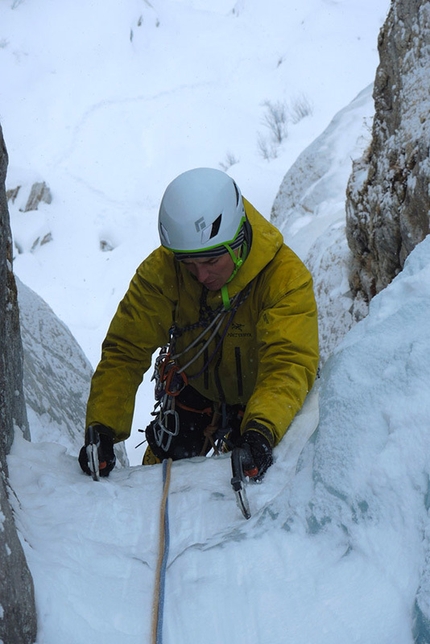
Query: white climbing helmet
[{"x": 201, "y": 213}]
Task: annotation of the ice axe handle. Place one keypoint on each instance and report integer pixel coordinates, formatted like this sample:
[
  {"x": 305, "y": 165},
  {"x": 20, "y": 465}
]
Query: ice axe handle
[
  {"x": 241, "y": 461},
  {"x": 93, "y": 452}
]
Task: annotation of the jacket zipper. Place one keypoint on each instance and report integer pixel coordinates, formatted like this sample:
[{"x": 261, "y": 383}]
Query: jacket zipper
[{"x": 238, "y": 371}]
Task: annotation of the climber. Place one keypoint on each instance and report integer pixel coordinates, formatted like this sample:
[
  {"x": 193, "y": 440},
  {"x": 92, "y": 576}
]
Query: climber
[{"x": 232, "y": 311}]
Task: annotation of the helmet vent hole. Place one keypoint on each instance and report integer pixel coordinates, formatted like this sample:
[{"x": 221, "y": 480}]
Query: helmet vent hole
[
  {"x": 237, "y": 193},
  {"x": 215, "y": 227}
]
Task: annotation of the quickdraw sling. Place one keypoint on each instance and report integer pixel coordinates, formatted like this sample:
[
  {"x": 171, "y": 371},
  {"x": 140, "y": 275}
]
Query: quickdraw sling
[{"x": 170, "y": 379}]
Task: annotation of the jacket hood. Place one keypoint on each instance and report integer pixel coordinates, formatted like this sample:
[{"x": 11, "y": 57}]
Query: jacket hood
[{"x": 266, "y": 241}]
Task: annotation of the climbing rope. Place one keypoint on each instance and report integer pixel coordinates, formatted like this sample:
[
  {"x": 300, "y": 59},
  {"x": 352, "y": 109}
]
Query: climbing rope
[{"x": 163, "y": 553}]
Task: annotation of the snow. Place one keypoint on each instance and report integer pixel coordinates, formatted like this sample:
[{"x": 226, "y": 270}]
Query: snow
[
  {"x": 107, "y": 103},
  {"x": 335, "y": 547}
]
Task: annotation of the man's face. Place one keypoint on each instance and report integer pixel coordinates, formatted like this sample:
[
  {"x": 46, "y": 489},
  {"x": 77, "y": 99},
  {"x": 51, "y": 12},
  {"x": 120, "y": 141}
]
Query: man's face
[{"x": 212, "y": 272}]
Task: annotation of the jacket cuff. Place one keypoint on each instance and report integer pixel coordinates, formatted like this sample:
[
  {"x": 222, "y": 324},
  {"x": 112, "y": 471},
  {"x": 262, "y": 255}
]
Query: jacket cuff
[
  {"x": 261, "y": 429},
  {"x": 102, "y": 429}
]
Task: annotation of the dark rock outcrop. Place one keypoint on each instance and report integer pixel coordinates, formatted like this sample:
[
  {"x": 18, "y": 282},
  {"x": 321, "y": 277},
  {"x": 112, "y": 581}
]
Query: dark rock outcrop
[
  {"x": 388, "y": 199},
  {"x": 39, "y": 192},
  {"x": 17, "y": 607}
]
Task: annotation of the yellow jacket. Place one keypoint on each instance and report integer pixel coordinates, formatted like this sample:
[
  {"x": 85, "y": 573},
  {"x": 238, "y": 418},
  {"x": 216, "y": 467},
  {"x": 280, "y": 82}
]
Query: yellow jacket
[{"x": 269, "y": 355}]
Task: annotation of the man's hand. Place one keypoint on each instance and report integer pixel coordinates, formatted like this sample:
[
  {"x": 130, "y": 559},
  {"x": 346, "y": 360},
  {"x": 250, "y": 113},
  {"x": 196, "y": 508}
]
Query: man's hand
[
  {"x": 261, "y": 452},
  {"x": 107, "y": 458}
]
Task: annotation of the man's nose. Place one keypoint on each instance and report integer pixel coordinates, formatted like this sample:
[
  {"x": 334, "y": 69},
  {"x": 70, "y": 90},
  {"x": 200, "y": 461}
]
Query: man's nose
[{"x": 201, "y": 272}]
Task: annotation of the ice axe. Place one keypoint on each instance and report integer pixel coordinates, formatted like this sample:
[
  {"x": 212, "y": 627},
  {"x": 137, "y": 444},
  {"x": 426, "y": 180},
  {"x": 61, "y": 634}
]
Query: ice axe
[
  {"x": 242, "y": 466},
  {"x": 93, "y": 452}
]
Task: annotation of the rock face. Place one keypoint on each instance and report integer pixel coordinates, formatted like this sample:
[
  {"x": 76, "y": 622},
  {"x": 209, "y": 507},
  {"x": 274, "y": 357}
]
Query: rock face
[
  {"x": 57, "y": 376},
  {"x": 17, "y": 608},
  {"x": 388, "y": 199}
]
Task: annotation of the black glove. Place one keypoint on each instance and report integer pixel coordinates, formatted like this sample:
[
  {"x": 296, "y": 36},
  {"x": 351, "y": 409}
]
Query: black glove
[
  {"x": 261, "y": 452},
  {"x": 107, "y": 456}
]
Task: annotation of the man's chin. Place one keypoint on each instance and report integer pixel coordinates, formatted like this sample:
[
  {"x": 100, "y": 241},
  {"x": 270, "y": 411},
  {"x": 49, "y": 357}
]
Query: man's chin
[{"x": 212, "y": 286}]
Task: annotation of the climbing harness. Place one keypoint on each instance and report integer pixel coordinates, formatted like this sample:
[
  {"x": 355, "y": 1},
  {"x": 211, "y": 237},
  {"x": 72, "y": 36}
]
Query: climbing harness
[
  {"x": 163, "y": 553},
  {"x": 170, "y": 379}
]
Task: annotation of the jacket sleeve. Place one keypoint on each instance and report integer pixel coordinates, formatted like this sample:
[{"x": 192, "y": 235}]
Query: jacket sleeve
[
  {"x": 139, "y": 327},
  {"x": 287, "y": 332}
]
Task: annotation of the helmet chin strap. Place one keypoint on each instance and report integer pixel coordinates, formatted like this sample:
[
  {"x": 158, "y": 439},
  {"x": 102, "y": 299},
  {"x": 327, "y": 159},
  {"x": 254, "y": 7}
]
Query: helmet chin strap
[{"x": 237, "y": 261}]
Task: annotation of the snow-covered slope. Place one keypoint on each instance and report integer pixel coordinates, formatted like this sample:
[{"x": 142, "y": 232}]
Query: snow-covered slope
[
  {"x": 107, "y": 106},
  {"x": 333, "y": 553}
]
